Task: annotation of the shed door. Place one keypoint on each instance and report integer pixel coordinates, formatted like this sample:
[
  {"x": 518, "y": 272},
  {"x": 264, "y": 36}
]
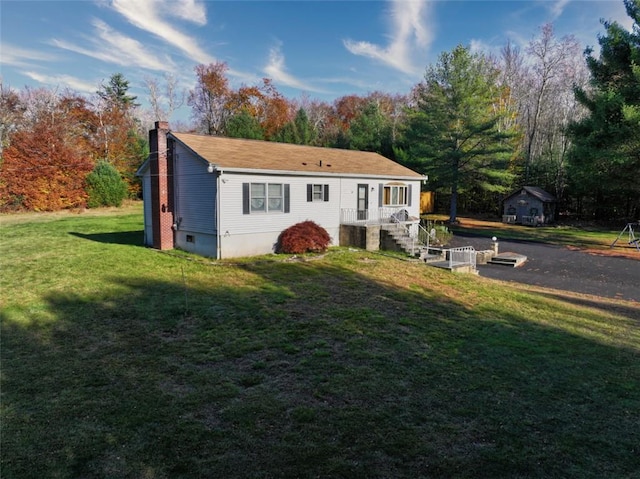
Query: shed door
[
  {"x": 523, "y": 209},
  {"x": 363, "y": 202}
]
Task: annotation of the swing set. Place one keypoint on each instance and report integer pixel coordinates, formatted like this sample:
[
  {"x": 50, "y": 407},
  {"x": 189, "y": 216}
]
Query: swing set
[{"x": 629, "y": 229}]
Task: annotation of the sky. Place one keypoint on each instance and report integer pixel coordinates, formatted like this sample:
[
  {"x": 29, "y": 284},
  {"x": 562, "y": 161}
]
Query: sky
[{"x": 314, "y": 49}]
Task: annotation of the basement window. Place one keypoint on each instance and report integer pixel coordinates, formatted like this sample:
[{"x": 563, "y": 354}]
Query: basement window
[{"x": 191, "y": 239}]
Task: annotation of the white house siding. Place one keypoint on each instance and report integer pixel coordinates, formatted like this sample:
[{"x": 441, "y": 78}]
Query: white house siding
[
  {"x": 414, "y": 209},
  {"x": 257, "y": 233},
  {"x": 146, "y": 198},
  {"x": 195, "y": 196}
]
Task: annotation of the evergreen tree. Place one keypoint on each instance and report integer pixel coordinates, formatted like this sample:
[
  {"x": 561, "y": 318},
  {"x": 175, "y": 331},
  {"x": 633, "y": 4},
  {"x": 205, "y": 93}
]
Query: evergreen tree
[
  {"x": 243, "y": 125},
  {"x": 298, "y": 131},
  {"x": 370, "y": 131},
  {"x": 105, "y": 186},
  {"x": 287, "y": 134},
  {"x": 455, "y": 132},
  {"x": 605, "y": 159},
  {"x": 304, "y": 130},
  {"x": 116, "y": 92}
]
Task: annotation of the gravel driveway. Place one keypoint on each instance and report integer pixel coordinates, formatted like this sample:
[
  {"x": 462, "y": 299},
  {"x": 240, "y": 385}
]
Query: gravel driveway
[{"x": 560, "y": 268}]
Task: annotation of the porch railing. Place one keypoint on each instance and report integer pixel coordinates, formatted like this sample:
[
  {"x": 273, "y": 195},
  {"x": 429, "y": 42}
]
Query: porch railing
[
  {"x": 465, "y": 256},
  {"x": 383, "y": 215},
  {"x": 417, "y": 237}
]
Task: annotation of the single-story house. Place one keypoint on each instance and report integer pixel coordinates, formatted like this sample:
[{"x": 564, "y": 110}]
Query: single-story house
[
  {"x": 227, "y": 197},
  {"x": 529, "y": 205}
]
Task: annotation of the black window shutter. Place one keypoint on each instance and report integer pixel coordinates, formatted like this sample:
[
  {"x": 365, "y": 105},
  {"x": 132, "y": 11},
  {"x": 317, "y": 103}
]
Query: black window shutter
[
  {"x": 309, "y": 192},
  {"x": 409, "y": 195},
  {"x": 326, "y": 192},
  {"x": 245, "y": 199},
  {"x": 380, "y": 195},
  {"x": 286, "y": 199}
]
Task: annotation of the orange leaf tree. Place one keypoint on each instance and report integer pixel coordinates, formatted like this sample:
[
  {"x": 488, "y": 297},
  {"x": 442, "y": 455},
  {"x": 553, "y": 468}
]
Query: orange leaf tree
[
  {"x": 44, "y": 170},
  {"x": 209, "y": 98}
]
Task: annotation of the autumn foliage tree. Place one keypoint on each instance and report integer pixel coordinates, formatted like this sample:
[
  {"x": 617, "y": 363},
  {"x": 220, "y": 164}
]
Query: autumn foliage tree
[
  {"x": 11, "y": 110},
  {"x": 44, "y": 170},
  {"x": 51, "y": 141},
  {"x": 209, "y": 98}
]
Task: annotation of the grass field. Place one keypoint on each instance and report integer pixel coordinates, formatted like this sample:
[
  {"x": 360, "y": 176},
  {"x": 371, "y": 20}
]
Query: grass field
[
  {"x": 594, "y": 239},
  {"x": 120, "y": 361}
]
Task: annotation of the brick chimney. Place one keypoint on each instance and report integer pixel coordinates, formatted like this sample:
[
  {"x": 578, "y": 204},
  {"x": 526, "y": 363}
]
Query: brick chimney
[{"x": 161, "y": 167}]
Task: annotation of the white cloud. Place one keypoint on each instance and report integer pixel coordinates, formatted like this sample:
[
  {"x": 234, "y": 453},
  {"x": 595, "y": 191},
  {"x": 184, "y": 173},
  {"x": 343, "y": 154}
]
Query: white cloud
[
  {"x": 191, "y": 10},
  {"x": 478, "y": 46},
  {"x": 410, "y": 33},
  {"x": 517, "y": 38},
  {"x": 557, "y": 8},
  {"x": 618, "y": 13},
  {"x": 111, "y": 46},
  {"x": 277, "y": 71},
  {"x": 65, "y": 81},
  {"x": 147, "y": 15},
  {"x": 22, "y": 57}
]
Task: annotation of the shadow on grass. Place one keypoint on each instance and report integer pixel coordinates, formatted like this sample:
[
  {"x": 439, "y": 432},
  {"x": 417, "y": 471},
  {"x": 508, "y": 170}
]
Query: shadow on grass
[
  {"x": 478, "y": 233},
  {"x": 308, "y": 370},
  {"x": 133, "y": 238},
  {"x": 625, "y": 311}
]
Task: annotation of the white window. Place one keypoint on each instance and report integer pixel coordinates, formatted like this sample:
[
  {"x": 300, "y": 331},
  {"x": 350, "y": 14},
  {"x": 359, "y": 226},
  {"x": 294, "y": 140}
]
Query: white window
[
  {"x": 258, "y": 197},
  {"x": 317, "y": 192},
  {"x": 395, "y": 195},
  {"x": 265, "y": 198},
  {"x": 274, "y": 196}
]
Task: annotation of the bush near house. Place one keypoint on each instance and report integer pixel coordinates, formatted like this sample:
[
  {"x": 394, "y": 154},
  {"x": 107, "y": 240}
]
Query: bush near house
[
  {"x": 305, "y": 237},
  {"x": 105, "y": 186}
]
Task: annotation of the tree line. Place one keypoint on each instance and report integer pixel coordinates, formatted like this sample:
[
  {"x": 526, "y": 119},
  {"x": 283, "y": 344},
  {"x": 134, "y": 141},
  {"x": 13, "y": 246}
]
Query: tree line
[
  {"x": 547, "y": 115},
  {"x": 61, "y": 150}
]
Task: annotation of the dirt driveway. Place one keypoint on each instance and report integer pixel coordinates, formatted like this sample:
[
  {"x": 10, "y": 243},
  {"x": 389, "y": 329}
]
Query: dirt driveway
[{"x": 559, "y": 267}]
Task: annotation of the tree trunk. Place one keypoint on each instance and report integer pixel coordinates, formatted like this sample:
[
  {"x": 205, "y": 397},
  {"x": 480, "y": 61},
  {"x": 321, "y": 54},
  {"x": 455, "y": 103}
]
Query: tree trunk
[{"x": 453, "y": 208}]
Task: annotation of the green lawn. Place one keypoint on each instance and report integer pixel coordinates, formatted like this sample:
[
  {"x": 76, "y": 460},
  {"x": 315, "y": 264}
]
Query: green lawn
[
  {"x": 587, "y": 236},
  {"x": 121, "y": 361}
]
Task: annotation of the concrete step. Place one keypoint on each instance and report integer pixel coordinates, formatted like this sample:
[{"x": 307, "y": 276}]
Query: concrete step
[
  {"x": 430, "y": 257},
  {"x": 456, "y": 268},
  {"x": 508, "y": 259}
]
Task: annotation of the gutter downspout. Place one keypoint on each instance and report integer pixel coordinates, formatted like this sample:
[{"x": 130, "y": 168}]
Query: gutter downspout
[{"x": 219, "y": 235}]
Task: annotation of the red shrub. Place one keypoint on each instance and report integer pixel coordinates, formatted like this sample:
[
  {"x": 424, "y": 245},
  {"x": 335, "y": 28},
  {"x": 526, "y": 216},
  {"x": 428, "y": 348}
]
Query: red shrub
[{"x": 302, "y": 238}]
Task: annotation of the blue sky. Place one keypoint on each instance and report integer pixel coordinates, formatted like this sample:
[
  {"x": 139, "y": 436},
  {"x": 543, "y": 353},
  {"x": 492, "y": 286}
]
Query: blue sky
[{"x": 320, "y": 49}]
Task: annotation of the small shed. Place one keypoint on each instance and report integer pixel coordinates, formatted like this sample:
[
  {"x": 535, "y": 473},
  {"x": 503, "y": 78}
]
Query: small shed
[{"x": 529, "y": 205}]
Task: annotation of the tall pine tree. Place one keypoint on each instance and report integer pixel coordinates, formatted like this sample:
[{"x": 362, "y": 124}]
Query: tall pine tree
[
  {"x": 455, "y": 132},
  {"x": 605, "y": 159}
]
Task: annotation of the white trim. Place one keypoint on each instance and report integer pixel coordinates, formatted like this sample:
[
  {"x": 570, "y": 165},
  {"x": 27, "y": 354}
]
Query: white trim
[{"x": 317, "y": 174}]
